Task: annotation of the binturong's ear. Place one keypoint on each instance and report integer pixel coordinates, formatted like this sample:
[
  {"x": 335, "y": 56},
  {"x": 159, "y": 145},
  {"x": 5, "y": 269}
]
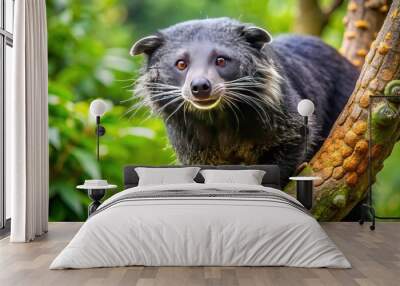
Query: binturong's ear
[
  {"x": 147, "y": 45},
  {"x": 255, "y": 36}
]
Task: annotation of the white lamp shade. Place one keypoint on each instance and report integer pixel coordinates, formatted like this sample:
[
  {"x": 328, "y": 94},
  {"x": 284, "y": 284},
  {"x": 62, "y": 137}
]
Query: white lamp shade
[
  {"x": 98, "y": 107},
  {"x": 305, "y": 107}
]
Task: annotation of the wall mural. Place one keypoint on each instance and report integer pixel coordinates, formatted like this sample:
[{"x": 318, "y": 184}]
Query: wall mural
[
  {"x": 231, "y": 98},
  {"x": 225, "y": 103}
]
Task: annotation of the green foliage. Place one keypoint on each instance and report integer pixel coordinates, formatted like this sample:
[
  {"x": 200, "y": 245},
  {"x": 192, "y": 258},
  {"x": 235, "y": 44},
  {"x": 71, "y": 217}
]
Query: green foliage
[
  {"x": 275, "y": 15},
  {"x": 88, "y": 47},
  {"x": 88, "y": 58},
  {"x": 386, "y": 190},
  {"x": 148, "y": 16}
]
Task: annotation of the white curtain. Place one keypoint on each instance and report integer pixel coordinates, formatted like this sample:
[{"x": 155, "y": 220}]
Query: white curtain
[{"x": 27, "y": 118}]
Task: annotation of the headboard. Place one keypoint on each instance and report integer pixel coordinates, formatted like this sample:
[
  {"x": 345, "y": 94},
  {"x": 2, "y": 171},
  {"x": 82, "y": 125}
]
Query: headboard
[{"x": 271, "y": 177}]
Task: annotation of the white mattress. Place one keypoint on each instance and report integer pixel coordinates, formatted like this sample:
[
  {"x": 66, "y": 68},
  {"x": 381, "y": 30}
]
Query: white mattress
[{"x": 200, "y": 231}]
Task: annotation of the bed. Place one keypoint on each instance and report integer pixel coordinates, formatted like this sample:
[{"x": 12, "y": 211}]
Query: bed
[{"x": 198, "y": 224}]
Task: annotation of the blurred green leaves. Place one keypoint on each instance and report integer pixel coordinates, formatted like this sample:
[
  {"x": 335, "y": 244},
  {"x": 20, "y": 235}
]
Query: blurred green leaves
[
  {"x": 386, "y": 190},
  {"x": 88, "y": 163},
  {"x": 89, "y": 58}
]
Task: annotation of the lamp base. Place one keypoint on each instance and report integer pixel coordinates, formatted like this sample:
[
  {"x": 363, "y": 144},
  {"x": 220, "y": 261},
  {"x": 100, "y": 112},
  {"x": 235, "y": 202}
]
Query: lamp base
[
  {"x": 96, "y": 195},
  {"x": 305, "y": 193}
]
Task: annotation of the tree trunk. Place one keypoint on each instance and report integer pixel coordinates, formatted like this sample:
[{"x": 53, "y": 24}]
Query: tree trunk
[
  {"x": 363, "y": 21},
  {"x": 311, "y": 18},
  {"x": 342, "y": 161}
]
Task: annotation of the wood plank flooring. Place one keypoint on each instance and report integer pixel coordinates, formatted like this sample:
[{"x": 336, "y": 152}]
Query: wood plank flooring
[{"x": 375, "y": 257}]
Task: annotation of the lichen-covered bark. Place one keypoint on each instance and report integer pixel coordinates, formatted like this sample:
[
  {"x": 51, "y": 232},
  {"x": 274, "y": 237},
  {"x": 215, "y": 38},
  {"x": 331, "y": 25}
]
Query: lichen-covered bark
[
  {"x": 363, "y": 21},
  {"x": 342, "y": 161},
  {"x": 311, "y": 18}
]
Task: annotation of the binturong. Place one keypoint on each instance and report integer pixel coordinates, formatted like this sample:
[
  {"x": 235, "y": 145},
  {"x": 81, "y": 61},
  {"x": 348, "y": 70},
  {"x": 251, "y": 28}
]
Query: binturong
[{"x": 228, "y": 93}]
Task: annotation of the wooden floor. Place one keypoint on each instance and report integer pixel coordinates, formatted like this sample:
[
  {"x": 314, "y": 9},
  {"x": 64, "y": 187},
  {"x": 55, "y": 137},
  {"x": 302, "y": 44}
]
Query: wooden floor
[{"x": 375, "y": 257}]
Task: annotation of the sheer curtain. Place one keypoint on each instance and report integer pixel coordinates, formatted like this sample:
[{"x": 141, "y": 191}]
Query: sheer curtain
[{"x": 27, "y": 150}]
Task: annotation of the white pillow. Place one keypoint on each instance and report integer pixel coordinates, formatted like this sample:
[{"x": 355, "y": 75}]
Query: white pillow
[
  {"x": 248, "y": 177},
  {"x": 165, "y": 176}
]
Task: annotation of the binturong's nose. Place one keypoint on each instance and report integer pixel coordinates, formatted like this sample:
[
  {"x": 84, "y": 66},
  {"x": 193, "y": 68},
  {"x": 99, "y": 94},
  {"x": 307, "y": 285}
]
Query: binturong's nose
[{"x": 201, "y": 87}]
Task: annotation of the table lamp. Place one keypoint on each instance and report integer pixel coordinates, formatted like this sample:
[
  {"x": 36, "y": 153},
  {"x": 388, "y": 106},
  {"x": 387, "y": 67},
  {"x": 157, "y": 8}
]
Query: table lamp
[
  {"x": 97, "y": 109},
  {"x": 305, "y": 109}
]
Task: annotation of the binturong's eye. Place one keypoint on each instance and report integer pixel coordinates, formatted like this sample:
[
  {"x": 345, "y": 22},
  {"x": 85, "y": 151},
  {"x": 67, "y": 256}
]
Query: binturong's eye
[
  {"x": 181, "y": 65},
  {"x": 220, "y": 61}
]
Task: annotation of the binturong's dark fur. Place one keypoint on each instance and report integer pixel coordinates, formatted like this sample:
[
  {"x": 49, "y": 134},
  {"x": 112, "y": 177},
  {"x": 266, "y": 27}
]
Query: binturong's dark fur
[{"x": 228, "y": 94}]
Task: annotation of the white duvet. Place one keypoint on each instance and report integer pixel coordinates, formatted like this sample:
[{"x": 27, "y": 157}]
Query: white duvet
[{"x": 200, "y": 231}]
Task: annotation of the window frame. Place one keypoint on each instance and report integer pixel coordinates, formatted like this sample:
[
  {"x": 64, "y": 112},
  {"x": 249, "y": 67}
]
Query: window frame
[{"x": 6, "y": 39}]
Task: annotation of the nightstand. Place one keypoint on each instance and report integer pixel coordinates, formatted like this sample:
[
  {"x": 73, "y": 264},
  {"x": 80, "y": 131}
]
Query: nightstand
[
  {"x": 96, "y": 192},
  {"x": 304, "y": 187}
]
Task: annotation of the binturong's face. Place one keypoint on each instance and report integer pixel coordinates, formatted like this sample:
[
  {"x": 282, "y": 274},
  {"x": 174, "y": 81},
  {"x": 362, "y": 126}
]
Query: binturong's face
[
  {"x": 201, "y": 70},
  {"x": 204, "y": 64}
]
